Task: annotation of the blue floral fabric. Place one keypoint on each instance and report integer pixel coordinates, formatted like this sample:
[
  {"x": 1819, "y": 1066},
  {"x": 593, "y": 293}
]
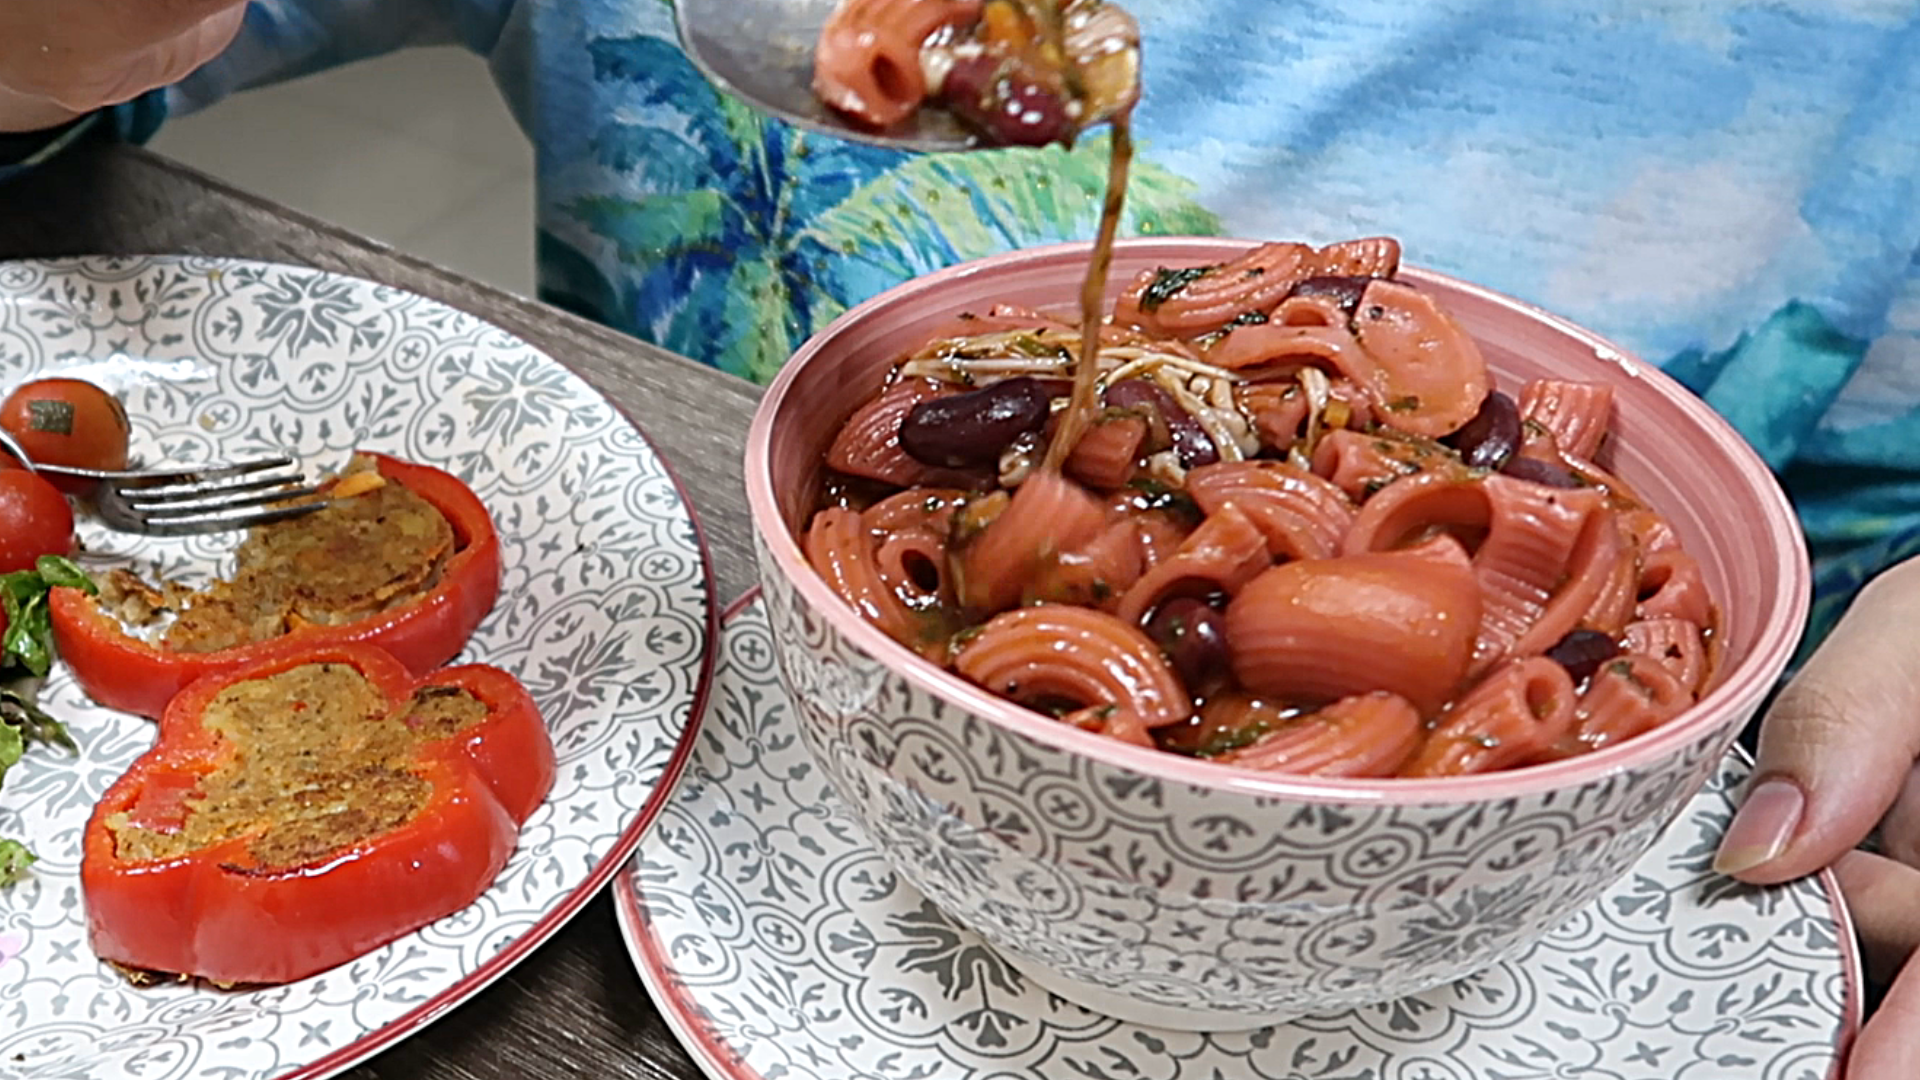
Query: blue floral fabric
[{"x": 1726, "y": 186}]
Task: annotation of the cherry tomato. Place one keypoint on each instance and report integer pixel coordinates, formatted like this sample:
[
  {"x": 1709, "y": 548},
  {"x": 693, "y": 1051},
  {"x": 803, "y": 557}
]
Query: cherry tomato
[
  {"x": 67, "y": 422},
  {"x": 35, "y": 520}
]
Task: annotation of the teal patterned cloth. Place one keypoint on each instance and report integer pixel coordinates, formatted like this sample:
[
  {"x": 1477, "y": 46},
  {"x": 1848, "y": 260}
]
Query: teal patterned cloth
[{"x": 1727, "y": 187}]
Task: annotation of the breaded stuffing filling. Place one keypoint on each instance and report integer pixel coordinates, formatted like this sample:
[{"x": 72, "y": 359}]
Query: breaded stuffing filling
[
  {"x": 318, "y": 764},
  {"x": 364, "y": 553}
]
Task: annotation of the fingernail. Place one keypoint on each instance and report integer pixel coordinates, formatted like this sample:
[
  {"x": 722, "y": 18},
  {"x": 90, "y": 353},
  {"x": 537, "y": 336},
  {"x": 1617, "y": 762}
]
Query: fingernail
[{"x": 1762, "y": 828}]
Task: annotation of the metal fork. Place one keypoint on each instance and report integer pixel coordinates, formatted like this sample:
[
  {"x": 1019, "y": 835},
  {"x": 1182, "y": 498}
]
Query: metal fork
[{"x": 189, "y": 500}]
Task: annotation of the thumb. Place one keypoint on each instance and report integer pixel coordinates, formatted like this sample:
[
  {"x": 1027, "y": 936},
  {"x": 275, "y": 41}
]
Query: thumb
[
  {"x": 1837, "y": 745},
  {"x": 161, "y": 64}
]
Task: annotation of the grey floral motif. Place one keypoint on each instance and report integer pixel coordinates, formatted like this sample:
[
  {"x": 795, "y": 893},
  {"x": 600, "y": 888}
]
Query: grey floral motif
[
  {"x": 1197, "y": 905},
  {"x": 849, "y": 972},
  {"x": 604, "y": 615}
]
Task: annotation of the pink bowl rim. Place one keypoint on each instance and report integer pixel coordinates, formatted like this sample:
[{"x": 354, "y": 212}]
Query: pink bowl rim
[{"x": 1747, "y": 684}]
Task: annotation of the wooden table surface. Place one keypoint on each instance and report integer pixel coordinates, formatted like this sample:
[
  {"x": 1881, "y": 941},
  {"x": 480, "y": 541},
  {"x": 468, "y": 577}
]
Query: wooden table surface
[{"x": 575, "y": 1008}]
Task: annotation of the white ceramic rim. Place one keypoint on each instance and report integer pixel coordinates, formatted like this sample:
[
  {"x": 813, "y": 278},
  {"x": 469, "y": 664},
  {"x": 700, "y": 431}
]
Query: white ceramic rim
[{"x": 1742, "y": 689}]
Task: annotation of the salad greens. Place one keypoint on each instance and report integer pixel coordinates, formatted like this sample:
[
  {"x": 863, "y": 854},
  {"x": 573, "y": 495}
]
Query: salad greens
[{"x": 26, "y": 654}]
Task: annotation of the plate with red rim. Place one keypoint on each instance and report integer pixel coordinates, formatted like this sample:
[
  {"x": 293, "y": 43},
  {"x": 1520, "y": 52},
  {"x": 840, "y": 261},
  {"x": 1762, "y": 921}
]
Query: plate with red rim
[
  {"x": 606, "y": 614},
  {"x": 780, "y": 946}
]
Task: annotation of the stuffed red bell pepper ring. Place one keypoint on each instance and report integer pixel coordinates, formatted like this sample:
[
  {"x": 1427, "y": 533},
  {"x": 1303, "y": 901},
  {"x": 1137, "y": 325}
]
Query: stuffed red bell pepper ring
[
  {"x": 308, "y": 807},
  {"x": 121, "y": 671}
]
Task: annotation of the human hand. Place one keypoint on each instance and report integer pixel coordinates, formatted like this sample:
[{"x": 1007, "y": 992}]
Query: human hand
[
  {"x": 1837, "y": 757},
  {"x": 60, "y": 59}
]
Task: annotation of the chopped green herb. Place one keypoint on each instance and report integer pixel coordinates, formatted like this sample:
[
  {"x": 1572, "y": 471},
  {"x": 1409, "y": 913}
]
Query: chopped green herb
[
  {"x": 1404, "y": 404},
  {"x": 1169, "y": 283}
]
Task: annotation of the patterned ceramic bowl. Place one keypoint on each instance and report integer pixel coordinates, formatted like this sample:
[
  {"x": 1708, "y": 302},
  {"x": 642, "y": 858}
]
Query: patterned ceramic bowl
[{"x": 1183, "y": 894}]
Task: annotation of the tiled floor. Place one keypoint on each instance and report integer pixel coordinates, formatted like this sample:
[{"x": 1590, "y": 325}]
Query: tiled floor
[{"x": 414, "y": 149}]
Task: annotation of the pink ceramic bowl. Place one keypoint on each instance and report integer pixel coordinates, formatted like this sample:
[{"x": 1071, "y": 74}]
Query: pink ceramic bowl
[{"x": 1180, "y": 893}]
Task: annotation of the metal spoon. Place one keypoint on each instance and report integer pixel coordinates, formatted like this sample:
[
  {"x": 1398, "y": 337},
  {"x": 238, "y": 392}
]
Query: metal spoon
[{"x": 761, "y": 51}]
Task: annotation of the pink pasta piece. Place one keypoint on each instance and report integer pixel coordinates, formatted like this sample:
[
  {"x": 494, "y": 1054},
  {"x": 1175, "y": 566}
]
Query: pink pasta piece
[
  {"x": 1301, "y": 515},
  {"x": 1317, "y": 630},
  {"x": 1369, "y": 734},
  {"x": 1361, "y": 464},
  {"x": 1096, "y": 574},
  {"x": 1673, "y": 586},
  {"x": 1441, "y": 548},
  {"x": 1614, "y": 602},
  {"x": 1161, "y": 534},
  {"x": 1047, "y": 515},
  {"x": 1414, "y": 507},
  {"x": 1649, "y": 532},
  {"x": 1058, "y": 653},
  {"x": 1286, "y": 348},
  {"x": 913, "y": 563},
  {"x": 927, "y": 508},
  {"x": 1676, "y": 643},
  {"x": 1528, "y": 559},
  {"x": 1514, "y": 716},
  {"x": 1187, "y": 303},
  {"x": 1628, "y": 697},
  {"x": 1222, "y": 555},
  {"x": 1309, "y": 311},
  {"x": 1369, "y": 256},
  {"x": 1576, "y": 414},
  {"x": 841, "y": 551},
  {"x": 1589, "y": 569},
  {"x": 1428, "y": 375},
  {"x": 867, "y": 60},
  {"x": 869, "y": 443},
  {"x": 1108, "y": 452},
  {"x": 1276, "y": 411}
]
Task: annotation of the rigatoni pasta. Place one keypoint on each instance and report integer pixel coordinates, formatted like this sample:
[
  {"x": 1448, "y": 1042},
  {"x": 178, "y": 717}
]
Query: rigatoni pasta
[
  {"x": 1304, "y": 532},
  {"x": 1019, "y": 72}
]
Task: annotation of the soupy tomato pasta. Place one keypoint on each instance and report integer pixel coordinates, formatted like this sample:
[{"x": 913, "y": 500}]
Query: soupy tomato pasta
[{"x": 1304, "y": 534}]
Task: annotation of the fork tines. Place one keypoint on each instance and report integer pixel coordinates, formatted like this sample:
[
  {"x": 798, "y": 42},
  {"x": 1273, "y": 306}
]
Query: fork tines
[
  {"x": 272, "y": 470},
  {"x": 207, "y": 500}
]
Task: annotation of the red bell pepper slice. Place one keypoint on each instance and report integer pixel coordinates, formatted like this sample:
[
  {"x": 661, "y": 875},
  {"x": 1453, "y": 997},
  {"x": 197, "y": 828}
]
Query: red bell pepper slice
[
  {"x": 123, "y": 672},
  {"x": 218, "y": 913}
]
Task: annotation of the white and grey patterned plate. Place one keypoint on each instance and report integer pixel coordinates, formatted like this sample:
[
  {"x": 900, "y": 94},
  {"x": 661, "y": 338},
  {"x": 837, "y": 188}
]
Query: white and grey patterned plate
[
  {"x": 780, "y": 947},
  {"x": 605, "y": 614}
]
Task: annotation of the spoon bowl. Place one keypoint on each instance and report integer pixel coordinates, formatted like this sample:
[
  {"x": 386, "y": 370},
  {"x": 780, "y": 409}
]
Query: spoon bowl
[{"x": 761, "y": 51}]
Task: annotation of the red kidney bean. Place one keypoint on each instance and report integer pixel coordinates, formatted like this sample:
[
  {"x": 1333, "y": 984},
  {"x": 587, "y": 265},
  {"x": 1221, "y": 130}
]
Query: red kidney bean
[
  {"x": 1190, "y": 441},
  {"x": 1344, "y": 291},
  {"x": 962, "y": 430},
  {"x": 1541, "y": 472},
  {"x": 1491, "y": 437},
  {"x": 967, "y": 82},
  {"x": 1582, "y": 652},
  {"x": 1005, "y": 103},
  {"x": 1194, "y": 637}
]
